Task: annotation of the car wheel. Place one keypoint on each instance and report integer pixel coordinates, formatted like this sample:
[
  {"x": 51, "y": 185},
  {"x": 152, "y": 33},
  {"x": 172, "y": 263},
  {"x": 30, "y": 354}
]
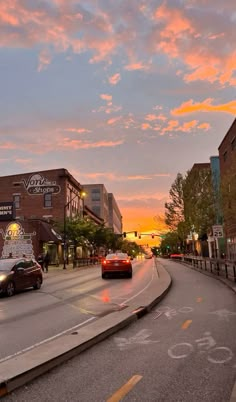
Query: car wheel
[
  {"x": 103, "y": 276},
  {"x": 10, "y": 290},
  {"x": 130, "y": 274},
  {"x": 38, "y": 284}
]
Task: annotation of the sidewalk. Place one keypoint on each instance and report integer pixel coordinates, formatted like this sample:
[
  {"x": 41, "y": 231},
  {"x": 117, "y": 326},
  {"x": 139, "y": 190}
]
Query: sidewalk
[{"x": 54, "y": 270}]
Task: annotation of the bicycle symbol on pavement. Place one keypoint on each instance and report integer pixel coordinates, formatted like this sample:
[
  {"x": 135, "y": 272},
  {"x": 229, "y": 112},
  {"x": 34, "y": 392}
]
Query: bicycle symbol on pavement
[
  {"x": 171, "y": 312},
  {"x": 207, "y": 344}
]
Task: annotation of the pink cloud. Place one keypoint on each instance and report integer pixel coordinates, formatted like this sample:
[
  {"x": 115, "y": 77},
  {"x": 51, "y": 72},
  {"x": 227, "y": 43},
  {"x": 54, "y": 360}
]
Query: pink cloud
[
  {"x": 113, "y": 120},
  {"x": 77, "y": 130},
  {"x": 106, "y": 97},
  {"x": 77, "y": 144},
  {"x": 114, "y": 79}
]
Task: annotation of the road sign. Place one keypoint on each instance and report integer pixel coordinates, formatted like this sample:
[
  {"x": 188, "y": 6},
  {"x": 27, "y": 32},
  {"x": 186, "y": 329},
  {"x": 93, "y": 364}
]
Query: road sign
[{"x": 217, "y": 230}]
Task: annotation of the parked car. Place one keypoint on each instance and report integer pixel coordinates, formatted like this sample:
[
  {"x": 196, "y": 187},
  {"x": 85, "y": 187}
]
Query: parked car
[
  {"x": 117, "y": 263},
  {"x": 18, "y": 274}
]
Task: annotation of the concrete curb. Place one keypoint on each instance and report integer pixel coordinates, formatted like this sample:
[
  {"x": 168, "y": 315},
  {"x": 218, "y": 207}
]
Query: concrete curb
[{"x": 23, "y": 368}]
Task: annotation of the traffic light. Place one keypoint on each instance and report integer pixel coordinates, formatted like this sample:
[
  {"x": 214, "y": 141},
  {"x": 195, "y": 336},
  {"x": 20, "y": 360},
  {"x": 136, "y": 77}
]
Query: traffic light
[
  {"x": 153, "y": 235},
  {"x": 139, "y": 237},
  {"x": 124, "y": 234},
  {"x": 135, "y": 234}
]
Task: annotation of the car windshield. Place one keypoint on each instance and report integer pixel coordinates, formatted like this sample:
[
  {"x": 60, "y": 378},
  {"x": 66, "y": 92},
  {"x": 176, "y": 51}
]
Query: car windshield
[
  {"x": 6, "y": 264},
  {"x": 118, "y": 256}
]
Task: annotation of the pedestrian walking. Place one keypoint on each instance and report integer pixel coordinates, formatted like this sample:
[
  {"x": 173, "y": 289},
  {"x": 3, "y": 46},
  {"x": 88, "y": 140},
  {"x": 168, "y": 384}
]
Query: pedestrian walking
[
  {"x": 46, "y": 261},
  {"x": 40, "y": 260}
]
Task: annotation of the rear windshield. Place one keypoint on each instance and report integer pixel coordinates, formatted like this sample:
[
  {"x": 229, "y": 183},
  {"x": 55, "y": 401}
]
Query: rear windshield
[{"x": 118, "y": 256}]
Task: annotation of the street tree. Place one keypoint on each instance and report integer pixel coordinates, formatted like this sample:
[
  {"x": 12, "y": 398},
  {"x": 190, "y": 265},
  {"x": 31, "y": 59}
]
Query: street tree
[{"x": 174, "y": 209}]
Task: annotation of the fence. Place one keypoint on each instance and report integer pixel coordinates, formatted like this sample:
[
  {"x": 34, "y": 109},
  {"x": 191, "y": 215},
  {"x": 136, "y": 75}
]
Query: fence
[
  {"x": 83, "y": 261},
  {"x": 219, "y": 267}
]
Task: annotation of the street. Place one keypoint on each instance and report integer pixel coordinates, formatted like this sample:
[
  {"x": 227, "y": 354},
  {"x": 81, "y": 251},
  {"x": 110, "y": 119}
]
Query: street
[
  {"x": 66, "y": 301},
  {"x": 184, "y": 350}
]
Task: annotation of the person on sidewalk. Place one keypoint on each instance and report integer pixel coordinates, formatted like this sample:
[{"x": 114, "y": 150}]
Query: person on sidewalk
[{"x": 46, "y": 261}]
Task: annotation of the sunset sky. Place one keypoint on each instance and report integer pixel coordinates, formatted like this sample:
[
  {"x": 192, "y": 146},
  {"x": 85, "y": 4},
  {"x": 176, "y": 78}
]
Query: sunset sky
[{"x": 122, "y": 92}]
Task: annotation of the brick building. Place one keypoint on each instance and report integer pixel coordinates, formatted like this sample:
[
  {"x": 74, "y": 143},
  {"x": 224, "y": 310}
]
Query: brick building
[
  {"x": 227, "y": 156},
  {"x": 38, "y": 199}
]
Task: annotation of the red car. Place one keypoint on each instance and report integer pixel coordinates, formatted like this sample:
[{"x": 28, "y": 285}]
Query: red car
[{"x": 117, "y": 263}]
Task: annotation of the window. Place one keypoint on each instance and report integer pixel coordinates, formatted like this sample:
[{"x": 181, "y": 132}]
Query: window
[
  {"x": 48, "y": 200},
  {"x": 95, "y": 194},
  {"x": 96, "y": 210},
  {"x": 16, "y": 201},
  {"x": 225, "y": 155}
]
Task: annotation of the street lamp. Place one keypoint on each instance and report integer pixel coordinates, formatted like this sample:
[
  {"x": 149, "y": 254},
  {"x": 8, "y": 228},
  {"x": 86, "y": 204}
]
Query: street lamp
[{"x": 80, "y": 194}]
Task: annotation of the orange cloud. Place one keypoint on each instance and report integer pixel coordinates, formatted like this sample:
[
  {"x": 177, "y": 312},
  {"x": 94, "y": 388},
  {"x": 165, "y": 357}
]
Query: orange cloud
[
  {"x": 76, "y": 144},
  {"x": 136, "y": 66},
  {"x": 151, "y": 117},
  {"x": 113, "y": 120},
  {"x": 204, "y": 126},
  {"x": 77, "y": 130},
  {"x": 146, "y": 126},
  {"x": 114, "y": 79},
  {"x": 205, "y": 106},
  {"x": 106, "y": 97}
]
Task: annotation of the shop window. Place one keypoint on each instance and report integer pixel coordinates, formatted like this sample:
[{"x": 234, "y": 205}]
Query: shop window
[
  {"x": 16, "y": 201},
  {"x": 48, "y": 200}
]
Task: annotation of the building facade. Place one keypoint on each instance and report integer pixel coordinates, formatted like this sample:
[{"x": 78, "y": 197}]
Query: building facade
[
  {"x": 227, "y": 157},
  {"x": 39, "y": 199},
  {"x": 115, "y": 217},
  {"x": 104, "y": 205}
]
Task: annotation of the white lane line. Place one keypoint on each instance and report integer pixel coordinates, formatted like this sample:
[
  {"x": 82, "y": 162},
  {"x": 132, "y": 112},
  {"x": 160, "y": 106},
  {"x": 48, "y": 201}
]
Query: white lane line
[
  {"x": 141, "y": 291},
  {"x": 45, "y": 340}
]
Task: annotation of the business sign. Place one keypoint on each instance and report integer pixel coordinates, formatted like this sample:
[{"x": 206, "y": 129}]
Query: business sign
[
  {"x": 7, "y": 211},
  {"x": 38, "y": 184},
  {"x": 16, "y": 241},
  {"x": 217, "y": 230}
]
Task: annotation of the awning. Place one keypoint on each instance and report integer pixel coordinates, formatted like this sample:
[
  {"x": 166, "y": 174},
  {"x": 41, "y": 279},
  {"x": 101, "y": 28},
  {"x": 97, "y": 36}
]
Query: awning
[{"x": 48, "y": 234}]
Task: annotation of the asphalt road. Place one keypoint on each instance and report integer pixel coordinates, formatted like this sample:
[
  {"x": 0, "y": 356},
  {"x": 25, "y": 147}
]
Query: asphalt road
[
  {"x": 183, "y": 351},
  {"x": 66, "y": 301}
]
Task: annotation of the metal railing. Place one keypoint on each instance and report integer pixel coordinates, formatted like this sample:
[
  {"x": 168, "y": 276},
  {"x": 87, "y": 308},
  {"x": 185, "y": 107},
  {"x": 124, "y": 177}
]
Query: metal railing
[
  {"x": 219, "y": 267},
  {"x": 84, "y": 261}
]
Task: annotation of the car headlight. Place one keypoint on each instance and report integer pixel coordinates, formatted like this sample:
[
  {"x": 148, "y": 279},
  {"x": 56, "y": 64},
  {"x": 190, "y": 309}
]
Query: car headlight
[{"x": 2, "y": 277}]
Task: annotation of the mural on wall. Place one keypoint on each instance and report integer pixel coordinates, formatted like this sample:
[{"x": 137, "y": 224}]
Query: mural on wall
[
  {"x": 16, "y": 241},
  {"x": 38, "y": 184}
]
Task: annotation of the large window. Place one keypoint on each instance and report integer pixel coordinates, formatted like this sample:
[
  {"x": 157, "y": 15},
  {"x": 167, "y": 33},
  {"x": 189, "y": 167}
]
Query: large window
[
  {"x": 16, "y": 201},
  {"x": 47, "y": 200},
  {"x": 96, "y": 210},
  {"x": 95, "y": 194}
]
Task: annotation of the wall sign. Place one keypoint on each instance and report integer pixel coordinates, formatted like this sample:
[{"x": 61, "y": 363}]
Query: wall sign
[
  {"x": 38, "y": 184},
  {"x": 7, "y": 211},
  {"x": 16, "y": 241}
]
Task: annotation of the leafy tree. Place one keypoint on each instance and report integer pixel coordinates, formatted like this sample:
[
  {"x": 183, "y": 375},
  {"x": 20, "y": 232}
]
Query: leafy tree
[
  {"x": 199, "y": 205},
  {"x": 174, "y": 209}
]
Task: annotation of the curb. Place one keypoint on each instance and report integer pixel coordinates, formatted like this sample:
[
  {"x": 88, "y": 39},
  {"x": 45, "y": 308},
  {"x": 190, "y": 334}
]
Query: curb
[{"x": 24, "y": 368}]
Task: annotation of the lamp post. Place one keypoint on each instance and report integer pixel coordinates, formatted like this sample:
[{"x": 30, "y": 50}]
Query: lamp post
[{"x": 64, "y": 225}]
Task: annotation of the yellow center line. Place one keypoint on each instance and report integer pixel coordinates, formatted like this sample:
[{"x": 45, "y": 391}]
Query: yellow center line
[
  {"x": 186, "y": 324},
  {"x": 199, "y": 299},
  {"x": 120, "y": 393}
]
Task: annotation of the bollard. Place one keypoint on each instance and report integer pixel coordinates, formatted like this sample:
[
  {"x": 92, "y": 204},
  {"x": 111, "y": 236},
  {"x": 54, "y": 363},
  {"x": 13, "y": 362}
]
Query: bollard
[{"x": 226, "y": 270}]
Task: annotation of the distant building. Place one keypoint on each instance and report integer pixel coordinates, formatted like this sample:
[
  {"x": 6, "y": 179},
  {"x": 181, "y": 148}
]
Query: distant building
[
  {"x": 227, "y": 157},
  {"x": 104, "y": 205}
]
